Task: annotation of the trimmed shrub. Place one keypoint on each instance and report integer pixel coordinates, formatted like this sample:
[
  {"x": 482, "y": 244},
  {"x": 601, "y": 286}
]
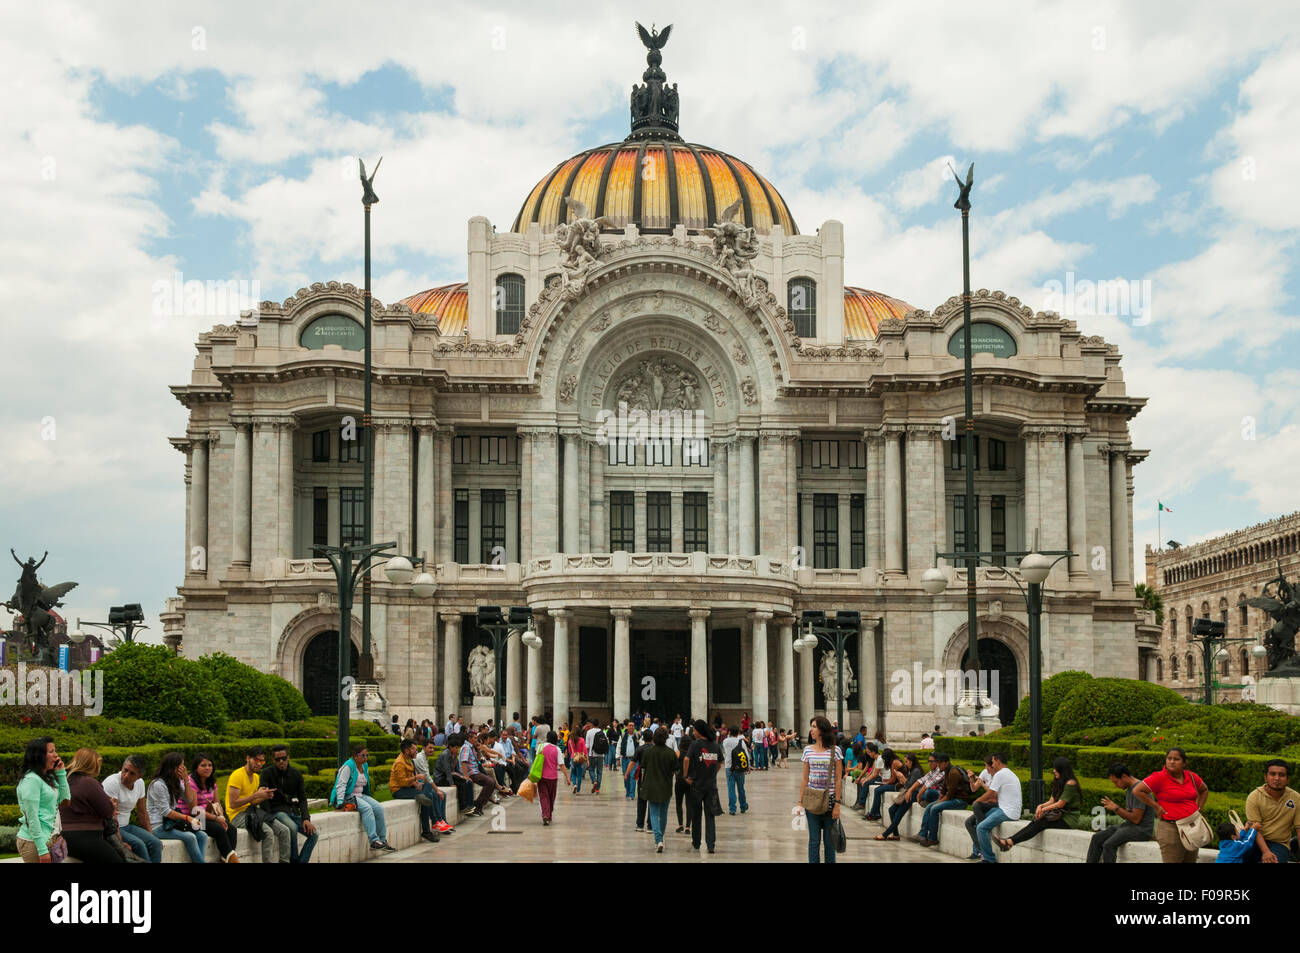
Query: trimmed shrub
[
  {"x": 1054, "y": 691},
  {"x": 1100, "y": 702},
  {"x": 254, "y": 728},
  {"x": 10, "y": 814},
  {"x": 1106, "y": 735},
  {"x": 150, "y": 682},
  {"x": 8, "y": 794},
  {"x": 307, "y": 729},
  {"x": 293, "y": 707},
  {"x": 367, "y": 729},
  {"x": 249, "y": 693},
  {"x": 8, "y": 840}
]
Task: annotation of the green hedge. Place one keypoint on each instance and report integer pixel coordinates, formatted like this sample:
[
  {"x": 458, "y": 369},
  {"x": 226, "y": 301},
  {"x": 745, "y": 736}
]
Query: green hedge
[
  {"x": 1054, "y": 691},
  {"x": 254, "y": 728},
  {"x": 249, "y": 693},
  {"x": 1100, "y": 702},
  {"x": 1236, "y": 773},
  {"x": 8, "y": 840},
  {"x": 293, "y": 707},
  {"x": 152, "y": 683}
]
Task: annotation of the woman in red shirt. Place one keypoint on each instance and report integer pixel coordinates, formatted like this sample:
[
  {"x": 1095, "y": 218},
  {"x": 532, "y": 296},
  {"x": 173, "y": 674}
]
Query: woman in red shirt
[{"x": 1175, "y": 793}]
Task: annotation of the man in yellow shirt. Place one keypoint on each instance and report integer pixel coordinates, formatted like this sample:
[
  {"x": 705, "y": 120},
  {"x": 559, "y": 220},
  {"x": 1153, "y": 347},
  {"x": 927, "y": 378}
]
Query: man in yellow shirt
[
  {"x": 243, "y": 791},
  {"x": 1273, "y": 809}
]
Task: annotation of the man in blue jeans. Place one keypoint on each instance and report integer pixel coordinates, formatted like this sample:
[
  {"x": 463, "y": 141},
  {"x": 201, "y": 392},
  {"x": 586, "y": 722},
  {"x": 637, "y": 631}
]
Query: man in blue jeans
[
  {"x": 127, "y": 789},
  {"x": 956, "y": 789},
  {"x": 596, "y": 756},
  {"x": 627, "y": 746},
  {"x": 1005, "y": 797},
  {"x": 288, "y": 805},
  {"x": 732, "y": 740}
]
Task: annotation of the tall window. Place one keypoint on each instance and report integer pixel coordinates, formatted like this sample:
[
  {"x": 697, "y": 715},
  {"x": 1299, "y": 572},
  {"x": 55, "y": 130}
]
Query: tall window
[
  {"x": 658, "y": 522},
  {"x": 998, "y": 528},
  {"x": 801, "y": 305},
  {"x": 1173, "y": 627},
  {"x": 659, "y": 452},
  {"x": 509, "y": 303},
  {"x": 695, "y": 516},
  {"x": 320, "y": 446},
  {"x": 461, "y": 450},
  {"x": 461, "y": 538},
  {"x": 492, "y": 522},
  {"x": 857, "y": 531},
  {"x": 354, "y": 450},
  {"x": 826, "y": 536},
  {"x": 959, "y": 523},
  {"x": 997, "y": 455},
  {"x": 622, "y": 521},
  {"x": 622, "y": 450},
  {"x": 497, "y": 450},
  {"x": 320, "y": 516},
  {"x": 959, "y": 452},
  {"x": 350, "y": 516},
  {"x": 1241, "y": 609},
  {"x": 1173, "y": 667},
  {"x": 856, "y": 451},
  {"x": 695, "y": 452},
  {"x": 821, "y": 454}
]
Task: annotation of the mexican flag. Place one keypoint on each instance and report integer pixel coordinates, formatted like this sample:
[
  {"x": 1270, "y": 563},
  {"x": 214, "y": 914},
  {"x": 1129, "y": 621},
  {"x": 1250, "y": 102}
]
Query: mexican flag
[{"x": 1160, "y": 507}]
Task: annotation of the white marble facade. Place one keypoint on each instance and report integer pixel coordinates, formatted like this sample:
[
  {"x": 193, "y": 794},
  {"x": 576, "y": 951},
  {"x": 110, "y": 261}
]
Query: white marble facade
[{"x": 785, "y": 530}]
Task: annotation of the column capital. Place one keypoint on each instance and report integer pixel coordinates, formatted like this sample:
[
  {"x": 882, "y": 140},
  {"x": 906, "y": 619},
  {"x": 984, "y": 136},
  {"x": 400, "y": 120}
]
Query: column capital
[
  {"x": 569, "y": 432},
  {"x": 560, "y": 613},
  {"x": 621, "y": 614},
  {"x": 746, "y": 435},
  {"x": 778, "y": 435},
  {"x": 202, "y": 437},
  {"x": 925, "y": 430},
  {"x": 1045, "y": 430},
  {"x": 534, "y": 432},
  {"x": 276, "y": 421},
  {"x": 785, "y": 620},
  {"x": 451, "y": 618},
  {"x": 891, "y": 429},
  {"x": 760, "y": 615},
  {"x": 425, "y": 426},
  {"x": 694, "y": 614}
]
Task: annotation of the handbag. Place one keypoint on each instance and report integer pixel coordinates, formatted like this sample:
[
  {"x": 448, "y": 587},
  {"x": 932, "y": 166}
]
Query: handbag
[
  {"x": 1055, "y": 814},
  {"x": 1194, "y": 831},
  {"x": 838, "y": 837},
  {"x": 821, "y": 800},
  {"x": 527, "y": 790},
  {"x": 1235, "y": 819},
  {"x": 539, "y": 762},
  {"x": 58, "y": 847}
]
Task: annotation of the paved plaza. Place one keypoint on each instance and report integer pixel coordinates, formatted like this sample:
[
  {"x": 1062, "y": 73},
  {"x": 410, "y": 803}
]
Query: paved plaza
[{"x": 603, "y": 828}]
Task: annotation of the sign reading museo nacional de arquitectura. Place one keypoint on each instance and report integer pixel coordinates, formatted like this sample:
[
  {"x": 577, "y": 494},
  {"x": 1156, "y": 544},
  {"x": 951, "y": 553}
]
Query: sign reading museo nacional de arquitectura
[{"x": 656, "y": 414}]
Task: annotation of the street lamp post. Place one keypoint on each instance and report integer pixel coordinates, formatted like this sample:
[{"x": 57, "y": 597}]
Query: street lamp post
[
  {"x": 366, "y": 664},
  {"x": 1035, "y": 567},
  {"x": 499, "y": 627},
  {"x": 351, "y": 563},
  {"x": 1211, "y": 635},
  {"x": 835, "y": 633}
]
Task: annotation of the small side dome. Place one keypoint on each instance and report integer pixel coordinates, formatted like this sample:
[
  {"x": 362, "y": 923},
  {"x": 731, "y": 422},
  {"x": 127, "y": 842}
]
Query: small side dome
[
  {"x": 865, "y": 309},
  {"x": 448, "y": 303}
]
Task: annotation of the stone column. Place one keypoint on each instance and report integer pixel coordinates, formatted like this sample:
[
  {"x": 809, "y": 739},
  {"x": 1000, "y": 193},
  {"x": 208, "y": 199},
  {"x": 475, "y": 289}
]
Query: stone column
[
  {"x": 1121, "y": 574},
  {"x": 718, "y": 538},
  {"x": 923, "y": 522},
  {"x": 535, "y": 706},
  {"x": 333, "y": 507},
  {"x": 806, "y": 524},
  {"x": 1033, "y": 518},
  {"x": 640, "y": 521},
  {"x": 758, "y": 710},
  {"x": 1078, "y": 516},
  {"x": 893, "y": 502},
  {"x": 264, "y": 494},
  {"x": 868, "y": 677},
  {"x": 571, "y": 491},
  {"x": 774, "y": 489},
  {"x": 514, "y": 665},
  {"x": 546, "y": 493},
  {"x": 785, "y": 698},
  {"x": 424, "y": 477},
  {"x": 792, "y": 495},
  {"x": 622, "y": 663},
  {"x": 284, "y": 536},
  {"x": 445, "y": 520},
  {"x": 241, "y": 497},
  {"x": 393, "y": 482},
  {"x": 699, "y": 663},
  {"x": 476, "y": 526},
  {"x": 526, "y": 500},
  {"x": 198, "y": 504},
  {"x": 807, "y": 698},
  {"x": 748, "y": 541},
  {"x": 733, "y": 497},
  {"x": 875, "y": 496},
  {"x": 599, "y": 527},
  {"x": 560, "y": 667},
  {"x": 450, "y": 663}
]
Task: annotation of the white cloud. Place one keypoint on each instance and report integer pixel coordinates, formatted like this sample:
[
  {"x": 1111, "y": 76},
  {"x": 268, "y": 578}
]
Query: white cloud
[{"x": 922, "y": 186}]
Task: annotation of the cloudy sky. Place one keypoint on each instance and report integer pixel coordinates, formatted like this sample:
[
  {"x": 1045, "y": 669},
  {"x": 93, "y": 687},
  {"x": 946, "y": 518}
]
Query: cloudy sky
[{"x": 1153, "y": 143}]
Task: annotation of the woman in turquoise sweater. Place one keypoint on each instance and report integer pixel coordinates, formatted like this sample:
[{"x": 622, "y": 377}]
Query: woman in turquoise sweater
[{"x": 42, "y": 787}]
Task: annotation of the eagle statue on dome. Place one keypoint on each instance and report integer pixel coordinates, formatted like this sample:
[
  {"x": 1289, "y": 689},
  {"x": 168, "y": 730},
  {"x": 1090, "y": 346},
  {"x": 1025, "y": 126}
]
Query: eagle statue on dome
[
  {"x": 579, "y": 245},
  {"x": 735, "y": 246},
  {"x": 652, "y": 38}
]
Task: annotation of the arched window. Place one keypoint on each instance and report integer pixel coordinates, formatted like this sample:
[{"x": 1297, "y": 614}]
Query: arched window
[
  {"x": 1191, "y": 667},
  {"x": 1242, "y": 610},
  {"x": 509, "y": 303},
  {"x": 1173, "y": 627},
  {"x": 801, "y": 304},
  {"x": 1173, "y": 666},
  {"x": 1160, "y": 670},
  {"x": 1244, "y": 659}
]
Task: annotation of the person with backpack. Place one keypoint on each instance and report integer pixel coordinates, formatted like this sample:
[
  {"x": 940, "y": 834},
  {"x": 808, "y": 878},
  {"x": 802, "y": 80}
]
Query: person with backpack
[
  {"x": 658, "y": 766},
  {"x": 349, "y": 794},
  {"x": 956, "y": 794},
  {"x": 737, "y": 759},
  {"x": 597, "y": 752}
]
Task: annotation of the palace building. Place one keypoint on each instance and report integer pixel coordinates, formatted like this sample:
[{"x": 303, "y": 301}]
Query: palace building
[
  {"x": 1213, "y": 579},
  {"x": 655, "y": 413}
]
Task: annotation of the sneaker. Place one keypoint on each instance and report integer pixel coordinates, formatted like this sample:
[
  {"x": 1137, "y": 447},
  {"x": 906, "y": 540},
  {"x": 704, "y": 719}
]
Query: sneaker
[
  {"x": 431, "y": 838},
  {"x": 475, "y": 812},
  {"x": 442, "y": 827},
  {"x": 659, "y": 848},
  {"x": 376, "y": 845},
  {"x": 744, "y": 810},
  {"x": 640, "y": 830},
  {"x": 732, "y": 813},
  {"x": 384, "y": 845},
  {"x": 546, "y": 822},
  {"x": 712, "y": 851},
  {"x": 680, "y": 830}
]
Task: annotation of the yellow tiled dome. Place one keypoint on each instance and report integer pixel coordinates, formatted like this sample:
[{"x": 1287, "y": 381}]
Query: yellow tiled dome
[
  {"x": 864, "y": 310},
  {"x": 656, "y": 184},
  {"x": 448, "y": 303}
]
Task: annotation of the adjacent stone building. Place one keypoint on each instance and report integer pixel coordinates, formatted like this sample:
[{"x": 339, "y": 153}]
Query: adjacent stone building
[
  {"x": 655, "y": 413},
  {"x": 1213, "y": 579}
]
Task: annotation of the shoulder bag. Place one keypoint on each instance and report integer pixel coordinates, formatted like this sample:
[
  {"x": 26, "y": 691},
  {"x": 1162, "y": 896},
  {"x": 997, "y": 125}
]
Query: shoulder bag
[
  {"x": 819, "y": 800},
  {"x": 1194, "y": 831}
]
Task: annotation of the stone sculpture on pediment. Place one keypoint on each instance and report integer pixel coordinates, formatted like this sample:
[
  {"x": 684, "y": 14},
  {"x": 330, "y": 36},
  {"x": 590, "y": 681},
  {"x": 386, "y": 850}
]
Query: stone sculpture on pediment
[
  {"x": 658, "y": 384},
  {"x": 579, "y": 245},
  {"x": 735, "y": 247}
]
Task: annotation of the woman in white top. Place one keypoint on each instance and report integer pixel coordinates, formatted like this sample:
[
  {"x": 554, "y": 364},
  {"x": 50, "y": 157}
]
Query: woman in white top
[{"x": 823, "y": 769}]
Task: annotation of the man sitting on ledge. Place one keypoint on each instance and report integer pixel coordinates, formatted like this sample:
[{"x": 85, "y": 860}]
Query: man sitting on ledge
[{"x": 1138, "y": 822}]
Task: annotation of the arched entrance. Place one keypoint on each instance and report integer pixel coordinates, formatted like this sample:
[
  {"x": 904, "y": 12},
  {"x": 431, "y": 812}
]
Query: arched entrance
[
  {"x": 320, "y": 672},
  {"x": 998, "y": 670}
]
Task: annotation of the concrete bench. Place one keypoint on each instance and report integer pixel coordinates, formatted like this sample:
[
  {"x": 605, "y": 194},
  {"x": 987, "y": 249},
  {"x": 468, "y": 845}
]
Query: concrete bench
[{"x": 1053, "y": 846}]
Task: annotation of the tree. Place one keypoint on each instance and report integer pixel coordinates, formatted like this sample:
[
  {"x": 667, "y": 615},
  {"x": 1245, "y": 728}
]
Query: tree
[{"x": 1151, "y": 601}]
